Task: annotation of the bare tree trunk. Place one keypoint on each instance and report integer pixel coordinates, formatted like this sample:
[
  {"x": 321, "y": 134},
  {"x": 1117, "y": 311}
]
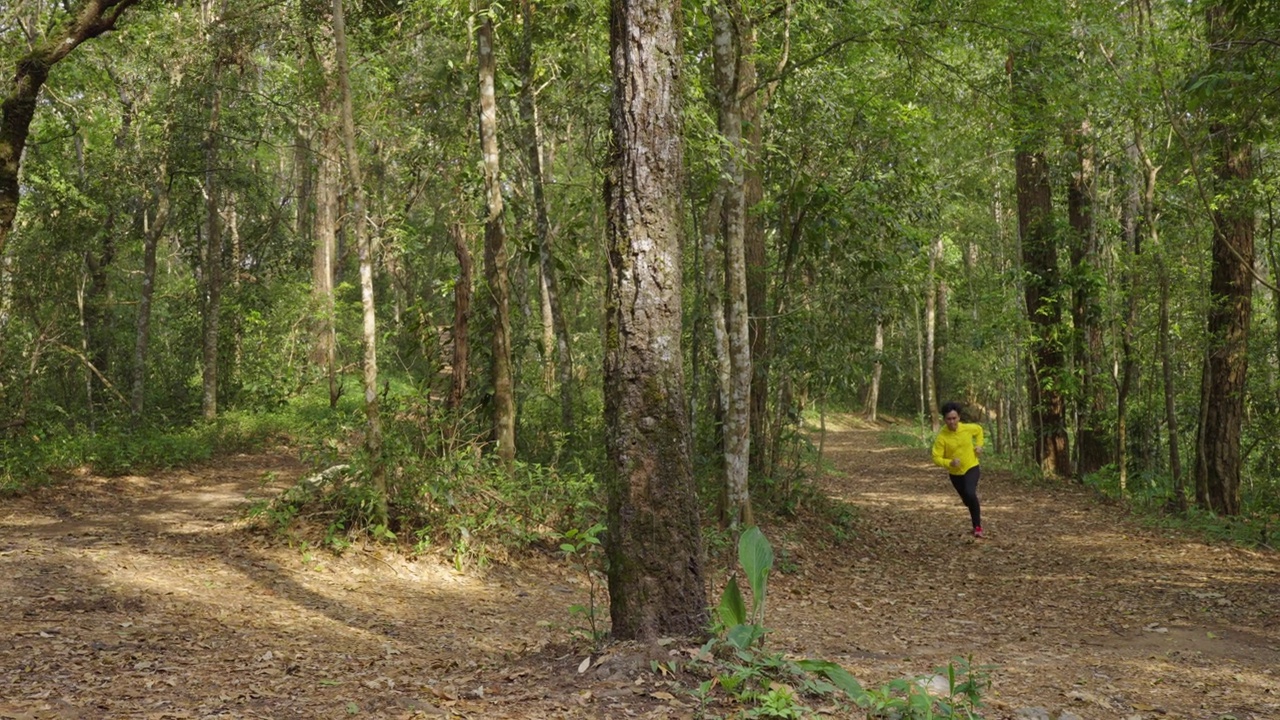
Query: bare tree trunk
[
  {"x": 1090, "y": 405},
  {"x": 325, "y": 249},
  {"x": 556, "y": 341},
  {"x": 153, "y": 232},
  {"x": 212, "y": 266},
  {"x": 495, "y": 252},
  {"x": 1130, "y": 214},
  {"x": 461, "y": 316},
  {"x": 737, "y": 420},
  {"x": 1231, "y": 280},
  {"x": 873, "y": 395},
  {"x": 364, "y": 245},
  {"x": 654, "y": 543},
  {"x": 713, "y": 286},
  {"x": 1047, "y": 359},
  {"x": 753, "y": 105},
  {"x": 931, "y": 334}
]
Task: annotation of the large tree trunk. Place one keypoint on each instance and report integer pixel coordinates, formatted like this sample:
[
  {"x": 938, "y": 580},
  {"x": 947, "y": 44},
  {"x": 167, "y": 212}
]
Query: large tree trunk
[
  {"x": 1230, "y": 288},
  {"x": 495, "y": 252},
  {"x": 556, "y": 343},
  {"x": 654, "y": 543},
  {"x": 1086, "y": 309},
  {"x": 90, "y": 19},
  {"x": 1047, "y": 359},
  {"x": 364, "y": 247},
  {"x": 737, "y": 420}
]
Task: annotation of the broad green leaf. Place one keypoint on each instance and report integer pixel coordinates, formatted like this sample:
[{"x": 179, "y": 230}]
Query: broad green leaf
[
  {"x": 837, "y": 675},
  {"x": 756, "y": 556},
  {"x": 733, "y": 610}
]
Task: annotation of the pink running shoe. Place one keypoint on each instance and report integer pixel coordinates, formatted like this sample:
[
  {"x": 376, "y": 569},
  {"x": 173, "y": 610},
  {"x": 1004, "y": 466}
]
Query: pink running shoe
[{"x": 977, "y": 532}]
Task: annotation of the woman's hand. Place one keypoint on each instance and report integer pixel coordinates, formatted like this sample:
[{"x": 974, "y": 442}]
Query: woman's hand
[{"x": 955, "y": 462}]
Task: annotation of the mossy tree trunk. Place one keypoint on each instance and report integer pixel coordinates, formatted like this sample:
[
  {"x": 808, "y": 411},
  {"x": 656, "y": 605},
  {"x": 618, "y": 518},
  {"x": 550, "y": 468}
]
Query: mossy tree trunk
[{"x": 656, "y": 582}]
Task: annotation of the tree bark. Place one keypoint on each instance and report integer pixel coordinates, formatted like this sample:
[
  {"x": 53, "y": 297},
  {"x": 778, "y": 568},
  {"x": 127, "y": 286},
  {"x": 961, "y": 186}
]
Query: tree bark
[
  {"x": 877, "y": 365},
  {"x": 654, "y": 543},
  {"x": 737, "y": 419},
  {"x": 753, "y": 105},
  {"x": 212, "y": 267},
  {"x": 461, "y": 316},
  {"x": 150, "y": 244},
  {"x": 325, "y": 249},
  {"x": 931, "y": 334},
  {"x": 1047, "y": 359},
  {"x": 1086, "y": 309},
  {"x": 90, "y": 19},
  {"x": 1130, "y": 214},
  {"x": 1230, "y": 286},
  {"x": 557, "y": 329},
  {"x": 364, "y": 247},
  {"x": 495, "y": 252}
]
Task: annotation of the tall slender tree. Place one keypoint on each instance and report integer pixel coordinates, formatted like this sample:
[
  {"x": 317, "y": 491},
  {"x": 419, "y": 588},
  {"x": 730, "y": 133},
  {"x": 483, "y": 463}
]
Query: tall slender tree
[
  {"x": 495, "y": 247},
  {"x": 364, "y": 248}
]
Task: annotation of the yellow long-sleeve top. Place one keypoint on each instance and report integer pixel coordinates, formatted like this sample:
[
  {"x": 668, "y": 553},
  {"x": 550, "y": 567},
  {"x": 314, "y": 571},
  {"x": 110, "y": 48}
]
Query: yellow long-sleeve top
[{"x": 958, "y": 445}]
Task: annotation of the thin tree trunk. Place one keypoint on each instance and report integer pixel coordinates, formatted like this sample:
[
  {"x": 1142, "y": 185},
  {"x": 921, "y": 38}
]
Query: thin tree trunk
[
  {"x": 151, "y": 242},
  {"x": 1130, "y": 213},
  {"x": 713, "y": 286},
  {"x": 495, "y": 252},
  {"x": 1149, "y": 224},
  {"x": 461, "y": 316},
  {"x": 873, "y": 395},
  {"x": 364, "y": 245},
  {"x": 654, "y": 543},
  {"x": 753, "y": 241},
  {"x": 737, "y": 421},
  {"x": 325, "y": 248},
  {"x": 212, "y": 266},
  {"x": 930, "y": 335},
  {"x": 556, "y": 342}
]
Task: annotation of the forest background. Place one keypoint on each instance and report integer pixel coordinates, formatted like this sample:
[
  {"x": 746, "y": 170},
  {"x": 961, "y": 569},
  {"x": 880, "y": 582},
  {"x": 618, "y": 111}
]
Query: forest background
[{"x": 218, "y": 220}]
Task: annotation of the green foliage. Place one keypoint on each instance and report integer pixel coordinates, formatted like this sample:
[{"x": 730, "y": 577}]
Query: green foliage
[
  {"x": 582, "y": 548},
  {"x": 768, "y": 684},
  {"x": 34, "y": 459},
  {"x": 442, "y": 492}
]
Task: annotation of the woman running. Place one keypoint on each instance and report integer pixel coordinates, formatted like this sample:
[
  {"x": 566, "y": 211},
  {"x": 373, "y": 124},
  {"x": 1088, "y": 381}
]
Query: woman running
[{"x": 957, "y": 448}]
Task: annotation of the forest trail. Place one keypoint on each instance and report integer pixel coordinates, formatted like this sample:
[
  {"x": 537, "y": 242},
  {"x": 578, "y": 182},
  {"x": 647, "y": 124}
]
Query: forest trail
[{"x": 150, "y": 597}]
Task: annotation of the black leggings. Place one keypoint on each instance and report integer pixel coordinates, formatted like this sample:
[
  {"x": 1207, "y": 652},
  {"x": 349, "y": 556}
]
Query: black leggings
[{"x": 967, "y": 486}]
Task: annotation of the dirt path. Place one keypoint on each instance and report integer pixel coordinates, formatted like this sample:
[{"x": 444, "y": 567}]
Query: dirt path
[{"x": 149, "y": 598}]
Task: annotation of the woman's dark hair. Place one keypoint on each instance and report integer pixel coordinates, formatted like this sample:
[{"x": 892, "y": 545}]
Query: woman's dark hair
[{"x": 948, "y": 407}]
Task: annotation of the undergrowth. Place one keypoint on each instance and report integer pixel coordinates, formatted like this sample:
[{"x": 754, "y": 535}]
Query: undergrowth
[
  {"x": 741, "y": 674},
  {"x": 36, "y": 458},
  {"x": 444, "y": 495}
]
